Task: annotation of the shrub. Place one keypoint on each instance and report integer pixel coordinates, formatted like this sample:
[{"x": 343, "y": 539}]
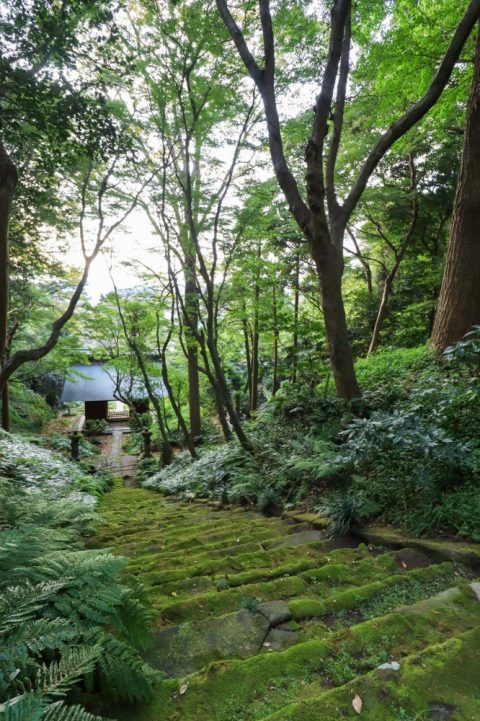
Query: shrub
[
  {"x": 29, "y": 411},
  {"x": 344, "y": 510},
  {"x": 407, "y": 460},
  {"x": 39, "y": 470},
  {"x": 93, "y": 426},
  {"x": 226, "y": 473}
]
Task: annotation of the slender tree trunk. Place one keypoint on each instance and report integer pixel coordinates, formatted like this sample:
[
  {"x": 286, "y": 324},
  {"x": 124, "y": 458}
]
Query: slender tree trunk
[
  {"x": 8, "y": 182},
  {"x": 166, "y": 447},
  {"x": 296, "y": 301},
  {"x": 248, "y": 357},
  {"x": 178, "y": 411},
  {"x": 381, "y": 313},
  {"x": 459, "y": 301},
  {"x": 191, "y": 304},
  {"x": 225, "y": 395},
  {"x": 275, "y": 342},
  {"x": 399, "y": 256},
  {"x": 222, "y": 416},
  {"x": 255, "y": 346}
]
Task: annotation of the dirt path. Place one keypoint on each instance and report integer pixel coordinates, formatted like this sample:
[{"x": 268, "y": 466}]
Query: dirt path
[
  {"x": 119, "y": 463},
  {"x": 264, "y": 619}
]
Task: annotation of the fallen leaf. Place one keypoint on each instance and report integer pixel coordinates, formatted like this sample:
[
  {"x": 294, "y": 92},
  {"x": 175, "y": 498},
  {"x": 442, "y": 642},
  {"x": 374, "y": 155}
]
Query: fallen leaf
[
  {"x": 357, "y": 703},
  {"x": 183, "y": 689},
  {"x": 404, "y": 565}
]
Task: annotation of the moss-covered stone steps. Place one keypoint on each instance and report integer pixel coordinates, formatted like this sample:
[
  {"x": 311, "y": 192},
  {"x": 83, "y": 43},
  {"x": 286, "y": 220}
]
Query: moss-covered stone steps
[
  {"x": 440, "y": 550},
  {"x": 251, "y": 689},
  {"x": 312, "y": 598},
  {"x": 438, "y": 684},
  {"x": 258, "y": 617}
]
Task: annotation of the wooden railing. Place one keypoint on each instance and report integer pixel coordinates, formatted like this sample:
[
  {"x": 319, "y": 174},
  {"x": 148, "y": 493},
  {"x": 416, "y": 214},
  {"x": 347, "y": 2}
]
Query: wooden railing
[{"x": 118, "y": 415}]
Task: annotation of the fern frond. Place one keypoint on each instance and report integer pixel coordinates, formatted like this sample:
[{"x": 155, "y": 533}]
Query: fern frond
[
  {"x": 19, "y": 547},
  {"x": 58, "y": 711},
  {"x": 36, "y": 636},
  {"x": 134, "y": 621},
  {"x": 123, "y": 674},
  {"x": 27, "y": 707},
  {"x": 19, "y": 603},
  {"x": 56, "y": 678}
]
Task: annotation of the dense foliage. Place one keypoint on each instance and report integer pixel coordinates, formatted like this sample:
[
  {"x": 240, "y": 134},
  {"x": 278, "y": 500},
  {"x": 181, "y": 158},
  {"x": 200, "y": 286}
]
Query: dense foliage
[
  {"x": 411, "y": 459},
  {"x": 70, "y": 624}
]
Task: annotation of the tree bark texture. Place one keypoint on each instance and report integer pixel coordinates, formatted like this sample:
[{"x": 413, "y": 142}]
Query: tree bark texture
[
  {"x": 8, "y": 182},
  {"x": 459, "y": 302}
]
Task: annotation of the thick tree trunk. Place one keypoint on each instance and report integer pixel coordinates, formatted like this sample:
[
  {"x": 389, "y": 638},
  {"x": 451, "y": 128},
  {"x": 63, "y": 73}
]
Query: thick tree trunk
[
  {"x": 8, "y": 182},
  {"x": 330, "y": 270},
  {"x": 459, "y": 301}
]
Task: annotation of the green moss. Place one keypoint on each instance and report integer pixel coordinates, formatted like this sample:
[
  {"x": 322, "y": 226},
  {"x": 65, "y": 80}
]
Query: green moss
[
  {"x": 428, "y": 681},
  {"x": 214, "y": 603},
  {"x": 302, "y": 608},
  {"x": 195, "y": 568},
  {"x": 347, "y": 574},
  {"x": 229, "y": 691}
]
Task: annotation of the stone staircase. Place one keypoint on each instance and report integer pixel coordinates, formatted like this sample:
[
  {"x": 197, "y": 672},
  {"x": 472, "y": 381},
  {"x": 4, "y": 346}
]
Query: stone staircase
[{"x": 262, "y": 619}]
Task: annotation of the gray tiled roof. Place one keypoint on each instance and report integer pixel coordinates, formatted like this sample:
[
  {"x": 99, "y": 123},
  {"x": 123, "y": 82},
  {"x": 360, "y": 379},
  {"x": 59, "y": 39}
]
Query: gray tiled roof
[{"x": 96, "y": 382}]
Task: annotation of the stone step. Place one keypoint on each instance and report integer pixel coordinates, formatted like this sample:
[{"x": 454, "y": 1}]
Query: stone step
[
  {"x": 438, "y": 684},
  {"x": 265, "y": 619},
  {"x": 248, "y": 689}
]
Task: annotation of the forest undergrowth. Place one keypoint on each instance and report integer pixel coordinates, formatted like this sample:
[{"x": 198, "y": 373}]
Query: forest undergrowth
[
  {"x": 406, "y": 454},
  {"x": 71, "y": 623}
]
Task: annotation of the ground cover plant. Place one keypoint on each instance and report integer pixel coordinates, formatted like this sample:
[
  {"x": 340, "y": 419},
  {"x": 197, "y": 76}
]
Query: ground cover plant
[
  {"x": 70, "y": 623},
  {"x": 411, "y": 458}
]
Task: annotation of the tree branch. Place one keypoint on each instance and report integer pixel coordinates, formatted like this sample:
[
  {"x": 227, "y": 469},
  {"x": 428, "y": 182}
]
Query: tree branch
[{"x": 418, "y": 110}]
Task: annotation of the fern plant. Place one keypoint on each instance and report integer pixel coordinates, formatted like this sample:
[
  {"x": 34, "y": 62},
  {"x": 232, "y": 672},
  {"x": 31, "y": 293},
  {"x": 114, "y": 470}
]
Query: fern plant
[{"x": 67, "y": 618}]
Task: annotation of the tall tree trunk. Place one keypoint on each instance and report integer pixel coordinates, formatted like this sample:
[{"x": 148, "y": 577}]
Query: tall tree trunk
[
  {"x": 275, "y": 342},
  {"x": 191, "y": 305},
  {"x": 459, "y": 301},
  {"x": 296, "y": 301},
  {"x": 248, "y": 357},
  {"x": 329, "y": 265},
  {"x": 255, "y": 345},
  {"x": 8, "y": 182}
]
